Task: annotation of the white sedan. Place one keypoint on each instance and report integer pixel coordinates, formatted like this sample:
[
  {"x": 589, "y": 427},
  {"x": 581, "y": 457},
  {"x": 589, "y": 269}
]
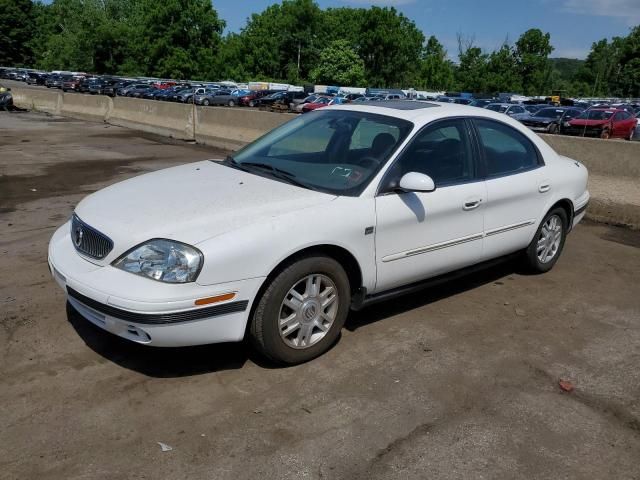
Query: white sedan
[{"x": 331, "y": 211}]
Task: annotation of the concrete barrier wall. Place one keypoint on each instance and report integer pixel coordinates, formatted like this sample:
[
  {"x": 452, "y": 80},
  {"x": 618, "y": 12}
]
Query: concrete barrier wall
[
  {"x": 91, "y": 107},
  {"x": 174, "y": 120},
  {"x": 234, "y": 127},
  {"x": 618, "y": 158},
  {"x": 49, "y": 101}
]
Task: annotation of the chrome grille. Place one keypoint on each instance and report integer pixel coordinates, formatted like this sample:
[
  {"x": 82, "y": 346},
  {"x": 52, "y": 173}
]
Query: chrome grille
[{"x": 88, "y": 240}]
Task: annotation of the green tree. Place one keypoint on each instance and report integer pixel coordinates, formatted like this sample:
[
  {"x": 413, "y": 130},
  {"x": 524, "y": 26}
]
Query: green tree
[
  {"x": 339, "y": 64},
  {"x": 532, "y": 53},
  {"x": 17, "y": 22},
  {"x": 390, "y": 45},
  {"x": 627, "y": 82},
  {"x": 436, "y": 70},
  {"x": 502, "y": 73},
  {"x": 472, "y": 67}
]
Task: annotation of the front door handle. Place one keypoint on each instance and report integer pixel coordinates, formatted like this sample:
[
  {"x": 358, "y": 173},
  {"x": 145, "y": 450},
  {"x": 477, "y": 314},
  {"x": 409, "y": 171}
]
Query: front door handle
[
  {"x": 472, "y": 204},
  {"x": 545, "y": 187}
]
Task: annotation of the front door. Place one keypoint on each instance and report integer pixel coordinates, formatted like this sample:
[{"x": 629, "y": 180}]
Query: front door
[{"x": 423, "y": 234}]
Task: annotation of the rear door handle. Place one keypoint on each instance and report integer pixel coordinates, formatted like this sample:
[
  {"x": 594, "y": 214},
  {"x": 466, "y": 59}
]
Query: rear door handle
[
  {"x": 472, "y": 204},
  {"x": 545, "y": 187}
]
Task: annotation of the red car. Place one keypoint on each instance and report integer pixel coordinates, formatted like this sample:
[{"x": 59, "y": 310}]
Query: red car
[
  {"x": 603, "y": 123},
  {"x": 251, "y": 99},
  {"x": 318, "y": 103}
]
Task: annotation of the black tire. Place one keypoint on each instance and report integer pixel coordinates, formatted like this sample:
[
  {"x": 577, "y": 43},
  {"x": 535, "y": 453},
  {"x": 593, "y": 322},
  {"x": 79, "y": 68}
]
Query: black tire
[
  {"x": 605, "y": 135},
  {"x": 553, "y": 128},
  {"x": 252, "y": 103},
  {"x": 231, "y": 103},
  {"x": 264, "y": 330},
  {"x": 205, "y": 102},
  {"x": 533, "y": 262}
]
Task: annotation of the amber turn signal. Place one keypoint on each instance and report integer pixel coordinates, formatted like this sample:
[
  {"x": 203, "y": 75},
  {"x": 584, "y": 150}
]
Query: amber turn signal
[{"x": 218, "y": 298}]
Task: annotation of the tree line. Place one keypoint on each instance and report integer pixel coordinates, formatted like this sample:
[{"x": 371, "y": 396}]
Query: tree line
[{"x": 296, "y": 41}]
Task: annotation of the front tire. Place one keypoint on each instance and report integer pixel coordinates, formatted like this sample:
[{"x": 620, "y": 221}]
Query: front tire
[
  {"x": 301, "y": 313},
  {"x": 553, "y": 129},
  {"x": 231, "y": 103},
  {"x": 547, "y": 244},
  {"x": 605, "y": 135}
]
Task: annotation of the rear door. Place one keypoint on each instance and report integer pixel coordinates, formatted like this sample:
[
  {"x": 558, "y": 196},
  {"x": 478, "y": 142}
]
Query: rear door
[{"x": 516, "y": 184}]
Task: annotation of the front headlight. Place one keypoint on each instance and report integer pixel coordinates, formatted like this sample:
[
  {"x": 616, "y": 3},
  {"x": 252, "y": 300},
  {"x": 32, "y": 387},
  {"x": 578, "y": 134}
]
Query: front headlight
[{"x": 163, "y": 260}]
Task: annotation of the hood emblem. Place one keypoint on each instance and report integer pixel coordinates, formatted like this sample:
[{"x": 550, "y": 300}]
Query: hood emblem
[{"x": 77, "y": 236}]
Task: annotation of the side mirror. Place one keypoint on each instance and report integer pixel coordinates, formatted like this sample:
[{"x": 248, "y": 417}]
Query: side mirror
[{"x": 417, "y": 182}]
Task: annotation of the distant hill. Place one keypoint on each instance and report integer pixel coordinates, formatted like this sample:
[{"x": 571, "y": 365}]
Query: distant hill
[{"x": 566, "y": 67}]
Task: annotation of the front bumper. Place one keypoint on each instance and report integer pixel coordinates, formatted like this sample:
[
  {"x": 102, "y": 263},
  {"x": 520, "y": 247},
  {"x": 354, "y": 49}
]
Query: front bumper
[
  {"x": 582, "y": 132},
  {"x": 145, "y": 311}
]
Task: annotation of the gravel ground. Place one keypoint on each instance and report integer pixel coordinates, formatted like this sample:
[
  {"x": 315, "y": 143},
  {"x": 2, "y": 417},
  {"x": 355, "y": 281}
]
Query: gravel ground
[{"x": 455, "y": 382}]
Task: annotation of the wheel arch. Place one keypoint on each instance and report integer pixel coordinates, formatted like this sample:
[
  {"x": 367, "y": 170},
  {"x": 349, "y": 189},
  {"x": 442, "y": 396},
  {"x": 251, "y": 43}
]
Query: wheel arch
[
  {"x": 567, "y": 206},
  {"x": 340, "y": 254}
]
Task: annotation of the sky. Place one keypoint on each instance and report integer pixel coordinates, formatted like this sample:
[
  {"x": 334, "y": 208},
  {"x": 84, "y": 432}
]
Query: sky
[{"x": 573, "y": 24}]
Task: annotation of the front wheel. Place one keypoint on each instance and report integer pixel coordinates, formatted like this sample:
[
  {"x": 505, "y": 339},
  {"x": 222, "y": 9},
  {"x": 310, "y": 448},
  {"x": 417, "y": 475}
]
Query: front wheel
[
  {"x": 302, "y": 311},
  {"x": 231, "y": 103},
  {"x": 605, "y": 135},
  {"x": 553, "y": 129},
  {"x": 252, "y": 103},
  {"x": 205, "y": 102},
  {"x": 547, "y": 244}
]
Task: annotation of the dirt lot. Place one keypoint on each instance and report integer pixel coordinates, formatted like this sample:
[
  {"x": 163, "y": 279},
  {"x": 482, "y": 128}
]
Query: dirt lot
[{"x": 456, "y": 382}]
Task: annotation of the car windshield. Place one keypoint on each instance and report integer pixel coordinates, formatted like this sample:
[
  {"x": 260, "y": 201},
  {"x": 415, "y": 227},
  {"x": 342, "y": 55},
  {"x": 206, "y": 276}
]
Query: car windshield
[
  {"x": 549, "y": 113},
  {"x": 596, "y": 115},
  {"x": 333, "y": 151}
]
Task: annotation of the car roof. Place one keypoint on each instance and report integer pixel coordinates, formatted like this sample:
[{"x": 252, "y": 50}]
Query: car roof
[{"x": 427, "y": 112}]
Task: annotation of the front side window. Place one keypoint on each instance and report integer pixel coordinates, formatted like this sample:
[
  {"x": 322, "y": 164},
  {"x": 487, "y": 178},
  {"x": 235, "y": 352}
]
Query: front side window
[
  {"x": 442, "y": 151},
  {"x": 335, "y": 152},
  {"x": 506, "y": 151}
]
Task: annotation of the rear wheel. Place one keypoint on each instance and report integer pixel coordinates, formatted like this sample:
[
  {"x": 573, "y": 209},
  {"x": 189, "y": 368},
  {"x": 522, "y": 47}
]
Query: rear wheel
[
  {"x": 231, "y": 103},
  {"x": 252, "y": 103},
  {"x": 553, "y": 128},
  {"x": 206, "y": 102},
  {"x": 605, "y": 135},
  {"x": 302, "y": 311},
  {"x": 547, "y": 244}
]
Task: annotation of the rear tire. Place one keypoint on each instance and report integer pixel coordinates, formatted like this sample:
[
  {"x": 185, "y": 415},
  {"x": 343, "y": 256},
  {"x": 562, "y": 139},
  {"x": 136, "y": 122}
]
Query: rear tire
[
  {"x": 553, "y": 129},
  {"x": 252, "y": 103},
  {"x": 547, "y": 244},
  {"x": 605, "y": 135},
  {"x": 205, "y": 102},
  {"x": 231, "y": 103},
  {"x": 301, "y": 313}
]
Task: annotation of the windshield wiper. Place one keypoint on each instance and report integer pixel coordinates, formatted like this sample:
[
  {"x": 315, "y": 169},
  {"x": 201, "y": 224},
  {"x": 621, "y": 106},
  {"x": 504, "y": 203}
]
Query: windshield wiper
[{"x": 275, "y": 172}]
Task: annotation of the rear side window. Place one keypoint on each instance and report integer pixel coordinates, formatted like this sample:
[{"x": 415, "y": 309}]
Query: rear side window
[{"x": 506, "y": 151}]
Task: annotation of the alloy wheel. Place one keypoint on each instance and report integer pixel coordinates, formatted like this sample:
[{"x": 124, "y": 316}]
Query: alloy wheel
[
  {"x": 549, "y": 239},
  {"x": 308, "y": 311}
]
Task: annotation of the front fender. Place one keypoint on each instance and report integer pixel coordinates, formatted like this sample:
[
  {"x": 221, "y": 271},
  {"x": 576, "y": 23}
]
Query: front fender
[{"x": 256, "y": 250}]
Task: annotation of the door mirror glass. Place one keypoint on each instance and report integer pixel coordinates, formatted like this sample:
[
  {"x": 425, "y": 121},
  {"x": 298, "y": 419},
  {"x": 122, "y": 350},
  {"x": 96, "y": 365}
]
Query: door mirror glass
[{"x": 417, "y": 182}]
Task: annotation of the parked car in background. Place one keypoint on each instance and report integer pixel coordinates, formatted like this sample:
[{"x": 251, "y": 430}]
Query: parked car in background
[
  {"x": 186, "y": 95},
  {"x": 534, "y": 108},
  {"x": 282, "y": 97},
  {"x": 71, "y": 83},
  {"x": 481, "y": 102},
  {"x": 308, "y": 99},
  {"x": 139, "y": 90},
  {"x": 216, "y": 97},
  {"x": 53, "y": 81},
  {"x": 551, "y": 119},
  {"x": 604, "y": 123},
  {"x": 506, "y": 108},
  {"x": 35, "y": 78},
  {"x": 251, "y": 98},
  {"x": 463, "y": 101},
  {"x": 319, "y": 102},
  {"x": 124, "y": 87},
  {"x": 320, "y": 216}
]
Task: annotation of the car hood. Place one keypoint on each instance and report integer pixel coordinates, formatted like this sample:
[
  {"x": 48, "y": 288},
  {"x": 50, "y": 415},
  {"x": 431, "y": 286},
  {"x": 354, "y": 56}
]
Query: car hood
[{"x": 189, "y": 203}]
